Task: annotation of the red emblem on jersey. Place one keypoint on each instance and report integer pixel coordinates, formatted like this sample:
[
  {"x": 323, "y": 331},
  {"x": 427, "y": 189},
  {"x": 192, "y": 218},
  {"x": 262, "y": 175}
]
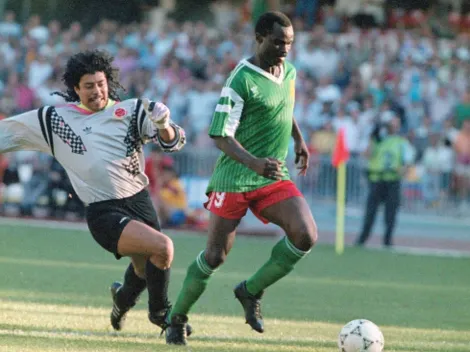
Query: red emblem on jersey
[{"x": 120, "y": 113}]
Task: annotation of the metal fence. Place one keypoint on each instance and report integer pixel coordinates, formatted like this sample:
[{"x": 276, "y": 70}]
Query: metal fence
[{"x": 195, "y": 168}]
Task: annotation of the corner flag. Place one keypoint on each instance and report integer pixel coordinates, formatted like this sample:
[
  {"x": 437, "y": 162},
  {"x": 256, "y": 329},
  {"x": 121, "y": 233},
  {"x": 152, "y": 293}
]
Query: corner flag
[
  {"x": 341, "y": 152},
  {"x": 339, "y": 158}
]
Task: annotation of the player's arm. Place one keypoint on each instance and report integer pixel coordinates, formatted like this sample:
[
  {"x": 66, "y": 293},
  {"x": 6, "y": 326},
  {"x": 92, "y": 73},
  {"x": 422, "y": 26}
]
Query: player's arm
[
  {"x": 28, "y": 131},
  {"x": 300, "y": 148},
  {"x": 267, "y": 167},
  {"x": 155, "y": 125},
  {"x": 224, "y": 124}
]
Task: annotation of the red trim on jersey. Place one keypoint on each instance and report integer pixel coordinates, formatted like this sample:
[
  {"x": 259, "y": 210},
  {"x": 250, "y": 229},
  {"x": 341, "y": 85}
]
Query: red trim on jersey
[{"x": 233, "y": 205}]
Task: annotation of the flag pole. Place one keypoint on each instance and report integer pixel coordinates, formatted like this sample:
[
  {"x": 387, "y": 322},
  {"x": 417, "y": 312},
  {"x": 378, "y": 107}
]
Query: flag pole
[
  {"x": 339, "y": 159},
  {"x": 340, "y": 206}
]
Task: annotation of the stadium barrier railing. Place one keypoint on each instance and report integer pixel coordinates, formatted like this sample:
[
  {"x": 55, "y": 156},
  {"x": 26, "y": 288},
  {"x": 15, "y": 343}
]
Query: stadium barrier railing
[{"x": 420, "y": 194}]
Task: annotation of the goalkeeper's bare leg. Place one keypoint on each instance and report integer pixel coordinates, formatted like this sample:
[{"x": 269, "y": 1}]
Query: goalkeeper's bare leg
[{"x": 152, "y": 253}]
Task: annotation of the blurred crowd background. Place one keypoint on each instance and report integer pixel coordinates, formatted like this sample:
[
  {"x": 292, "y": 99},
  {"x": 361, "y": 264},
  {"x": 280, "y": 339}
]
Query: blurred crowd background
[{"x": 359, "y": 62}]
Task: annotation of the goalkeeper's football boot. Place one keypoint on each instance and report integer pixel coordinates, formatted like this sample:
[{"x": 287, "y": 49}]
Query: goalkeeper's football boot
[
  {"x": 251, "y": 305},
  {"x": 160, "y": 319},
  {"x": 176, "y": 331},
  {"x": 118, "y": 314}
]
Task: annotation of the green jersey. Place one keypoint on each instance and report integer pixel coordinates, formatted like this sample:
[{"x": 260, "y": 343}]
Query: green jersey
[{"x": 256, "y": 108}]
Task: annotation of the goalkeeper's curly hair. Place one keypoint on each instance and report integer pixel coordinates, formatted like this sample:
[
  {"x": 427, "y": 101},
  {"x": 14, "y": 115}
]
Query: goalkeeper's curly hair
[{"x": 89, "y": 62}]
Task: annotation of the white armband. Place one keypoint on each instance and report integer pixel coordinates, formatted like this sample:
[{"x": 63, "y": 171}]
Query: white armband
[{"x": 177, "y": 144}]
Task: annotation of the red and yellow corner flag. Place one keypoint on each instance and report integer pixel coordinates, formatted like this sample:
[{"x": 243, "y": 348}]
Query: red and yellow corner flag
[
  {"x": 339, "y": 158},
  {"x": 341, "y": 152}
]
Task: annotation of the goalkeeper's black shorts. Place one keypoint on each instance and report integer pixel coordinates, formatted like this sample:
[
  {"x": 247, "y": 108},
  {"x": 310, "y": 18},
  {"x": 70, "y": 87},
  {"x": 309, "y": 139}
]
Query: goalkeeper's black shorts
[{"x": 107, "y": 219}]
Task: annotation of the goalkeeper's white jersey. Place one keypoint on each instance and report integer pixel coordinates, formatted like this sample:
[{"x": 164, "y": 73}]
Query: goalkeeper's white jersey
[{"x": 101, "y": 152}]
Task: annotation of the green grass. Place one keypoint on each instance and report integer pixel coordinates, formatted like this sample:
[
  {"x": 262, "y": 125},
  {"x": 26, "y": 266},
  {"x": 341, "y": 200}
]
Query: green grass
[{"x": 54, "y": 297}]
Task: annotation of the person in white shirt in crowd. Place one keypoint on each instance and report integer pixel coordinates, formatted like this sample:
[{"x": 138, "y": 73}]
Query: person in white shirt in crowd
[
  {"x": 316, "y": 115},
  {"x": 9, "y": 27},
  {"x": 415, "y": 114},
  {"x": 343, "y": 121},
  {"x": 302, "y": 103},
  {"x": 461, "y": 147},
  {"x": 37, "y": 30},
  {"x": 327, "y": 91},
  {"x": 43, "y": 92},
  {"x": 39, "y": 71},
  {"x": 177, "y": 102},
  {"x": 202, "y": 99},
  {"x": 441, "y": 105},
  {"x": 437, "y": 163},
  {"x": 422, "y": 135}
]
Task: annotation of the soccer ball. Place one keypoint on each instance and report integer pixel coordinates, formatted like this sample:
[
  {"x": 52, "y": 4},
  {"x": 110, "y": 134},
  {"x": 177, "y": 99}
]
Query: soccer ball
[{"x": 360, "y": 335}]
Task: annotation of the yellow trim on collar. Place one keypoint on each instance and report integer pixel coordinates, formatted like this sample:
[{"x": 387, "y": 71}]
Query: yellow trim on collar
[{"x": 111, "y": 102}]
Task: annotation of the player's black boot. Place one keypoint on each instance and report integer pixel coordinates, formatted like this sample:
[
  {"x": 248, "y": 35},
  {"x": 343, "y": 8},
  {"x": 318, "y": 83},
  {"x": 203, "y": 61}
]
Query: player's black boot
[
  {"x": 118, "y": 314},
  {"x": 160, "y": 319},
  {"x": 176, "y": 332},
  {"x": 252, "y": 306}
]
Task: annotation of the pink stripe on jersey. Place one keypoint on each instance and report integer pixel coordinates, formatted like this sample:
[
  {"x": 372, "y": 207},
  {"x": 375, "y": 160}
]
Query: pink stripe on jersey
[
  {"x": 86, "y": 111},
  {"x": 76, "y": 107}
]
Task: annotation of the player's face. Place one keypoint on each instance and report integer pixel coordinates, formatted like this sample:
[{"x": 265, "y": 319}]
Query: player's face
[
  {"x": 274, "y": 48},
  {"x": 93, "y": 91}
]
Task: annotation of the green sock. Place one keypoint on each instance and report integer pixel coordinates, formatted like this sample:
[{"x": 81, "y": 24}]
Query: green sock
[
  {"x": 283, "y": 258},
  {"x": 194, "y": 285}
]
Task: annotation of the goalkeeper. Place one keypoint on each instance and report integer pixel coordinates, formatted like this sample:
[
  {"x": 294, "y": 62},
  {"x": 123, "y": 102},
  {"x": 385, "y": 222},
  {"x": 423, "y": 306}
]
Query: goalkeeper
[{"x": 98, "y": 140}]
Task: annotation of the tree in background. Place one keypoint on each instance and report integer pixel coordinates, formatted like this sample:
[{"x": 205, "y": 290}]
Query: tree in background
[
  {"x": 259, "y": 7},
  {"x": 187, "y": 11},
  {"x": 87, "y": 12}
]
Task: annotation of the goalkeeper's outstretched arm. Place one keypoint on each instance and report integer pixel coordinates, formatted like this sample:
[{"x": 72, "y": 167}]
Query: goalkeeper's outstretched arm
[{"x": 24, "y": 132}]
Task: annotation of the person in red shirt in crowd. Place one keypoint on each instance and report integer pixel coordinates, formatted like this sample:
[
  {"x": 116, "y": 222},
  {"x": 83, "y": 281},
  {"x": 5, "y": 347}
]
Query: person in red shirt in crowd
[{"x": 154, "y": 165}]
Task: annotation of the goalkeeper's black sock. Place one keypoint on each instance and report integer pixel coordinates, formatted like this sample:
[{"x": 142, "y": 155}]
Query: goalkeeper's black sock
[
  {"x": 157, "y": 286},
  {"x": 131, "y": 289}
]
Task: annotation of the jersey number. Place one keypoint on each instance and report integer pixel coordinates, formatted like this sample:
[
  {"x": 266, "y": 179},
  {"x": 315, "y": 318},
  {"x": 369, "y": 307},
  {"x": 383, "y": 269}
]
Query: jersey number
[{"x": 219, "y": 198}]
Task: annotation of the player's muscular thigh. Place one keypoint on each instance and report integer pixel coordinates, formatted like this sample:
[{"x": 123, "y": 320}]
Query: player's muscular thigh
[{"x": 293, "y": 215}]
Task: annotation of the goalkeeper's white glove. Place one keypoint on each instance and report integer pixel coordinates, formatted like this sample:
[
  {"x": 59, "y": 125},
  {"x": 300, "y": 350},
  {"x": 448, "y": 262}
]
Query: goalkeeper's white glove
[{"x": 159, "y": 115}]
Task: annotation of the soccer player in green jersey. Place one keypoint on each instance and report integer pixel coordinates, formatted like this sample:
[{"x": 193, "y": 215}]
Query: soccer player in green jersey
[{"x": 252, "y": 126}]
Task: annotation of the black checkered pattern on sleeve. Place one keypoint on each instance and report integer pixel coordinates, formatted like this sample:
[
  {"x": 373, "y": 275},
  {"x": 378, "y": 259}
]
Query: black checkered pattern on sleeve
[
  {"x": 66, "y": 134},
  {"x": 134, "y": 146}
]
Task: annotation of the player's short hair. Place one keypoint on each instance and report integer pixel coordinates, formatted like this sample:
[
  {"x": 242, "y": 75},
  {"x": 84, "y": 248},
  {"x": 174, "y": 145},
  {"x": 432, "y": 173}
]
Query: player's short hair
[
  {"x": 266, "y": 21},
  {"x": 89, "y": 62}
]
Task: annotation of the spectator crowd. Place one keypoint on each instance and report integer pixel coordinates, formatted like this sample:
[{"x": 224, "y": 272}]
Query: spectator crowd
[{"x": 347, "y": 77}]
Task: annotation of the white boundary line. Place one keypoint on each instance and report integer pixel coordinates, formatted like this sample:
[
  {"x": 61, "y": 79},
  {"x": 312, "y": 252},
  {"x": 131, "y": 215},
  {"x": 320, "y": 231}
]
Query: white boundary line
[
  {"x": 50, "y": 224},
  {"x": 423, "y": 251}
]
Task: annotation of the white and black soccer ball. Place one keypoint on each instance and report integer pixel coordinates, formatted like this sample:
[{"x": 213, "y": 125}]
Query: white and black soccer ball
[{"x": 360, "y": 335}]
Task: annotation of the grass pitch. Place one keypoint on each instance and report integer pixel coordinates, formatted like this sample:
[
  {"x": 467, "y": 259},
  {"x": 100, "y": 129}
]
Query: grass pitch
[{"x": 54, "y": 297}]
